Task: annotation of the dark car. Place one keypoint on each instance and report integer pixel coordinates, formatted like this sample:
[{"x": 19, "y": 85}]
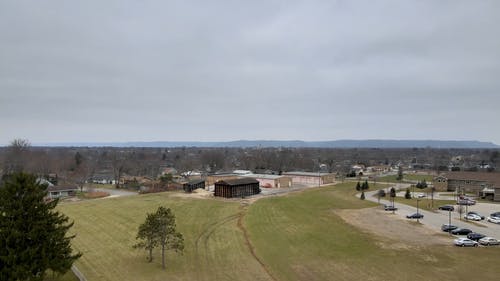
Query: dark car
[
  {"x": 446, "y": 208},
  {"x": 448, "y": 227},
  {"x": 415, "y": 216},
  {"x": 461, "y": 231},
  {"x": 390, "y": 208},
  {"x": 475, "y": 236},
  {"x": 475, "y": 213},
  {"x": 495, "y": 214}
]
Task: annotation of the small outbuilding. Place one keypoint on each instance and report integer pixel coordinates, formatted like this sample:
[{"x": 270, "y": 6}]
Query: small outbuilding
[
  {"x": 235, "y": 188},
  {"x": 58, "y": 191},
  {"x": 192, "y": 185}
]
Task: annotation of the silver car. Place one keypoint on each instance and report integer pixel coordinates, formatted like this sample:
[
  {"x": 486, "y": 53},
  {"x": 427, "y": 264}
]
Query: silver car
[
  {"x": 465, "y": 242},
  {"x": 488, "y": 241}
]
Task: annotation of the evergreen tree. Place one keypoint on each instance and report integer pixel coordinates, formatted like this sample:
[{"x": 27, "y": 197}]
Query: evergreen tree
[
  {"x": 362, "y": 195},
  {"x": 32, "y": 235},
  {"x": 365, "y": 185},
  {"x": 358, "y": 186},
  {"x": 148, "y": 234},
  {"x": 408, "y": 194},
  {"x": 159, "y": 229},
  {"x": 169, "y": 238},
  {"x": 400, "y": 173}
]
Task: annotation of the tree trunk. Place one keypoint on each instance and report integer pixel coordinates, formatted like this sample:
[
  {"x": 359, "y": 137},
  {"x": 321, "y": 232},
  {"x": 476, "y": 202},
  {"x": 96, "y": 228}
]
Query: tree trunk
[
  {"x": 150, "y": 254},
  {"x": 163, "y": 254}
]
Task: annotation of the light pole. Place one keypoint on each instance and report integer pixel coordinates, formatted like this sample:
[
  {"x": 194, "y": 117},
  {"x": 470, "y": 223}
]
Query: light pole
[
  {"x": 417, "y": 210},
  {"x": 449, "y": 221}
]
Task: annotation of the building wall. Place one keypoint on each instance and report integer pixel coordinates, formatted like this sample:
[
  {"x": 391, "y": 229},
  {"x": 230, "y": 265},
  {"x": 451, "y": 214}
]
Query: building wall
[
  {"x": 284, "y": 182},
  {"x": 469, "y": 186},
  {"x": 440, "y": 183},
  {"x": 236, "y": 191}
]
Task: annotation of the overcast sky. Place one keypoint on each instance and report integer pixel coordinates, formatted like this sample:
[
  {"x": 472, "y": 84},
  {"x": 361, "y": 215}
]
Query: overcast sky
[{"x": 73, "y": 71}]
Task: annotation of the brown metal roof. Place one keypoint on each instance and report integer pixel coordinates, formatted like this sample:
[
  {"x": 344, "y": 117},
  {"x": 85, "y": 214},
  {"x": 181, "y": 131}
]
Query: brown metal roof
[
  {"x": 238, "y": 181},
  {"x": 492, "y": 177}
]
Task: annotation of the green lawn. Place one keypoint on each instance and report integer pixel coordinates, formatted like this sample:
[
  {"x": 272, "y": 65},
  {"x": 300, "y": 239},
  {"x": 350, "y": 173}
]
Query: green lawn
[
  {"x": 300, "y": 238},
  {"x": 423, "y": 203},
  {"x": 215, "y": 248},
  {"x": 293, "y": 237},
  {"x": 69, "y": 276}
]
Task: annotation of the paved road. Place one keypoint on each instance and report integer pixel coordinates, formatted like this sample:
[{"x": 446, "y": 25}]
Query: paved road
[{"x": 434, "y": 220}]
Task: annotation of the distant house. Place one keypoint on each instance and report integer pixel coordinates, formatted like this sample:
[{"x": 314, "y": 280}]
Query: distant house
[
  {"x": 192, "y": 185},
  {"x": 58, "y": 191},
  {"x": 236, "y": 188},
  {"x": 486, "y": 185},
  {"x": 308, "y": 178},
  {"x": 267, "y": 181}
]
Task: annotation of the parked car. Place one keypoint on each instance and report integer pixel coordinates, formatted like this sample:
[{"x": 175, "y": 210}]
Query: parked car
[
  {"x": 421, "y": 195},
  {"x": 495, "y": 214},
  {"x": 489, "y": 241},
  {"x": 476, "y": 213},
  {"x": 493, "y": 220},
  {"x": 390, "y": 208},
  {"x": 467, "y": 202},
  {"x": 475, "y": 236},
  {"x": 448, "y": 227},
  {"x": 465, "y": 242},
  {"x": 472, "y": 217},
  {"x": 446, "y": 208},
  {"x": 415, "y": 216},
  {"x": 461, "y": 231}
]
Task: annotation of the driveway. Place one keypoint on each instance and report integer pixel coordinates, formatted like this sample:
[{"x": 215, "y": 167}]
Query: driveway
[{"x": 434, "y": 220}]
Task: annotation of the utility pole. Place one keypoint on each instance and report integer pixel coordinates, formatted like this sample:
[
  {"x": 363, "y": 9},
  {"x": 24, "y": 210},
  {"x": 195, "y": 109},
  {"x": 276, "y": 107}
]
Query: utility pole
[
  {"x": 449, "y": 220},
  {"x": 417, "y": 210}
]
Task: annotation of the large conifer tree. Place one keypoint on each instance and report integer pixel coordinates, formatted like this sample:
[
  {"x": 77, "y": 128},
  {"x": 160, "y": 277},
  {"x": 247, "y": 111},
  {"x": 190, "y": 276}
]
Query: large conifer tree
[{"x": 33, "y": 236}]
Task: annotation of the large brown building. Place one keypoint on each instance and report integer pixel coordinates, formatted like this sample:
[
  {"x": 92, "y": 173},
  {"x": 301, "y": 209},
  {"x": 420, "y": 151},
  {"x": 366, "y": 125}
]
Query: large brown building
[
  {"x": 307, "y": 178},
  {"x": 482, "y": 184},
  {"x": 268, "y": 181},
  {"x": 235, "y": 188}
]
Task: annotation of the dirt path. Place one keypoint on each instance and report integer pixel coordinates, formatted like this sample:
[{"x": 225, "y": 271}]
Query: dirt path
[{"x": 249, "y": 244}]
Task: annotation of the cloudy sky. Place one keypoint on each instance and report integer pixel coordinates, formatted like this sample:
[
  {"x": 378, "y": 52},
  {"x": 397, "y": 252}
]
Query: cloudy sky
[{"x": 73, "y": 71}]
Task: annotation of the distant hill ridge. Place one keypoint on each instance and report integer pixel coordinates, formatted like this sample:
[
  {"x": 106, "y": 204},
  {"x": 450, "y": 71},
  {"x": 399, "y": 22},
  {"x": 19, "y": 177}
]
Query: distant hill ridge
[{"x": 294, "y": 143}]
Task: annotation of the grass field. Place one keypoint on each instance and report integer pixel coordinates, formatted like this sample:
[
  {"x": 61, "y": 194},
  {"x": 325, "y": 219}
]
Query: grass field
[
  {"x": 300, "y": 238},
  {"x": 294, "y": 237},
  {"x": 215, "y": 248},
  {"x": 69, "y": 276},
  {"x": 424, "y": 203}
]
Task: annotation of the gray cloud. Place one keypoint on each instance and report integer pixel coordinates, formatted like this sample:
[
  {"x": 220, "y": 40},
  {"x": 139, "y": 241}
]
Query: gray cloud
[{"x": 223, "y": 70}]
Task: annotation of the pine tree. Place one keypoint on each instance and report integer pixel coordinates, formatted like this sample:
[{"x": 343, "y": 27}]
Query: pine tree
[
  {"x": 148, "y": 234},
  {"x": 365, "y": 185},
  {"x": 159, "y": 229},
  {"x": 169, "y": 238},
  {"x": 358, "y": 186},
  {"x": 362, "y": 195},
  {"x": 408, "y": 194},
  {"x": 32, "y": 235}
]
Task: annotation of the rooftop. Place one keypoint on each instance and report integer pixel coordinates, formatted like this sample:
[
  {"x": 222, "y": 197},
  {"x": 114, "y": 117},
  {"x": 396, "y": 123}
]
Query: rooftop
[
  {"x": 264, "y": 176},
  {"x": 308, "y": 174}
]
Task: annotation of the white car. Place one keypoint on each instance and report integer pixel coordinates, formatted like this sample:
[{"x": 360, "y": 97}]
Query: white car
[
  {"x": 465, "y": 242},
  {"x": 489, "y": 241},
  {"x": 493, "y": 220},
  {"x": 472, "y": 217},
  {"x": 421, "y": 195}
]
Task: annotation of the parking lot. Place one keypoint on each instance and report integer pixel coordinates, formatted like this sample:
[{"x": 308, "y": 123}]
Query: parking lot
[{"x": 435, "y": 219}]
